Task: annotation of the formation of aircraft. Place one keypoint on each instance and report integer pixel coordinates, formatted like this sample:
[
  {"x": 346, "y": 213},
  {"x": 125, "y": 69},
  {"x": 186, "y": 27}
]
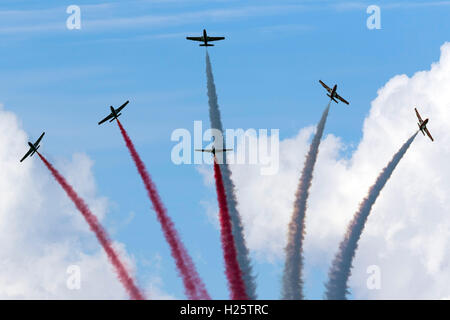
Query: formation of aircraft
[
  {"x": 213, "y": 150},
  {"x": 205, "y": 39},
  {"x": 33, "y": 147},
  {"x": 423, "y": 125},
  {"x": 115, "y": 113},
  {"x": 332, "y": 93}
]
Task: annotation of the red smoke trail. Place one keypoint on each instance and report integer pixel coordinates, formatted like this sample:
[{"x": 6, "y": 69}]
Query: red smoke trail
[
  {"x": 194, "y": 287},
  {"x": 232, "y": 269},
  {"x": 100, "y": 233}
]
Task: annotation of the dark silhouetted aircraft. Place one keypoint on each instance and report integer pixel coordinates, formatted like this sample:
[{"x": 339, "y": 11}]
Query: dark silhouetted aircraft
[
  {"x": 213, "y": 150},
  {"x": 205, "y": 39},
  {"x": 423, "y": 125},
  {"x": 33, "y": 147},
  {"x": 115, "y": 113},
  {"x": 332, "y": 93}
]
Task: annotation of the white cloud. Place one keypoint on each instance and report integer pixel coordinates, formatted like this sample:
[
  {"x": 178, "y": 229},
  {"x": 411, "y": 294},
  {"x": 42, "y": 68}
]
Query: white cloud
[
  {"x": 407, "y": 233},
  {"x": 41, "y": 232}
]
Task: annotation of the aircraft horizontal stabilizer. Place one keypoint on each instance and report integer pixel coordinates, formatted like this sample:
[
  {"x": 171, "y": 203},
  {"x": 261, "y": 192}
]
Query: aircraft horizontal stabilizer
[
  {"x": 34, "y": 151},
  {"x": 332, "y": 98}
]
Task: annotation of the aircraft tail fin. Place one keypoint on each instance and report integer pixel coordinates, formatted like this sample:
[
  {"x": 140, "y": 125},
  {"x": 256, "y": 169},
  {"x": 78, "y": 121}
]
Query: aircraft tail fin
[{"x": 206, "y": 45}]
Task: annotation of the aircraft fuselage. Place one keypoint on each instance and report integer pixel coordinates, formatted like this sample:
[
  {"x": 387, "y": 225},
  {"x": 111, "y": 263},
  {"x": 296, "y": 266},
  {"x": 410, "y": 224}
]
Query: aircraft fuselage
[
  {"x": 333, "y": 94},
  {"x": 205, "y": 40},
  {"x": 423, "y": 125},
  {"x": 115, "y": 114},
  {"x": 33, "y": 147},
  {"x": 113, "y": 111}
]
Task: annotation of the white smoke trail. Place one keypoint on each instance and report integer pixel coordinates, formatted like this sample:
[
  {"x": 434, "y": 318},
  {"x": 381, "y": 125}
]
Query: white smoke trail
[
  {"x": 340, "y": 271},
  {"x": 292, "y": 286},
  {"x": 238, "y": 230}
]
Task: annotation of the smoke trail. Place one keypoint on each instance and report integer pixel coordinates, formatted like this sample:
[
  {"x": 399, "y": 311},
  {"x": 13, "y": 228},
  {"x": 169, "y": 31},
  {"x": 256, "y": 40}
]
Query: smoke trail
[
  {"x": 194, "y": 287},
  {"x": 292, "y": 286},
  {"x": 232, "y": 269},
  {"x": 100, "y": 233},
  {"x": 236, "y": 223},
  {"x": 336, "y": 288}
]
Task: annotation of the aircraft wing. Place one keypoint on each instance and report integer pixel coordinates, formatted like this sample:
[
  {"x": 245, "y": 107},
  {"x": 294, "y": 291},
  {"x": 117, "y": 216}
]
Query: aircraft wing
[
  {"x": 26, "y": 155},
  {"x": 342, "y": 99},
  {"x": 122, "y": 106},
  {"x": 224, "y": 150},
  {"x": 106, "y": 119},
  {"x": 203, "y": 150},
  {"x": 418, "y": 115},
  {"x": 195, "y": 38},
  {"x": 39, "y": 140},
  {"x": 325, "y": 86},
  {"x": 215, "y": 38},
  {"x": 428, "y": 133}
]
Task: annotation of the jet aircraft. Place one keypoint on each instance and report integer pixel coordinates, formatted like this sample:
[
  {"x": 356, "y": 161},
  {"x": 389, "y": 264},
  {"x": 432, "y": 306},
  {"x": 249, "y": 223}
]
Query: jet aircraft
[
  {"x": 33, "y": 147},
  {"x": 423, "y": 125},
  {"x": 213, "y": 150},
  {"x": 332, "y": 93},
  {"x": 115, "y": 113},
  {"x": 205, "y": 39}
]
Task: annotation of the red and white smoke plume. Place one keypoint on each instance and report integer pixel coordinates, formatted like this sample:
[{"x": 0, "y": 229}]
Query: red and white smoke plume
[
  {"x": 194, "y": 286},
  {"x": 100, "y": 233},
  {"x": 232, "y": 269}
]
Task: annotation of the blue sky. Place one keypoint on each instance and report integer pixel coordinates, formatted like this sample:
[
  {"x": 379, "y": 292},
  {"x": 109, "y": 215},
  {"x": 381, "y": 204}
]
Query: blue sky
[{"x": 266, "y": 73}]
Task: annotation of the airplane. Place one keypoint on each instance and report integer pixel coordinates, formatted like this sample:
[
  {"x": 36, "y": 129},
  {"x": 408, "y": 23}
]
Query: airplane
[
  {"x": 332, "y": 93},
  {"x": 423, "y": 125},
  {"x": 205, "y": 38},
  {"x": 33, "y": 148},
  {"x": 115, "y": 113},
  {"x": 213, "y": 150}
]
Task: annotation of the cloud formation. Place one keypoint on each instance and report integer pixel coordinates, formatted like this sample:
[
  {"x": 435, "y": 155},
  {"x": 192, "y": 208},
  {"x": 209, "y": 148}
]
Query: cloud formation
[
  {"x": 41, "y": 232},
  {"x": 407, "y": 233}
]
